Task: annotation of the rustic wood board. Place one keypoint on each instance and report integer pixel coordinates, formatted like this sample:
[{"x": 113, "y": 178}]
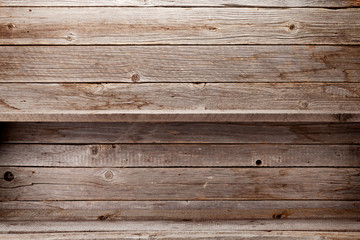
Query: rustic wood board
[
  {"x": 247, "y": 116},
  {"x": 176, "y": 210},
  {"x": 43, "y": 25},
  {"x": 350, "y": 225},
  {"x": 224, "y": 102},
  {"x": 237, "y": 235},
  {"x": 82, "y": 133},
  {"x": 31, "y": 183},
  {"x": 179, "y": 155},
  {"x": 171, "y": 3},
  {"x": 180, "y": 64}
]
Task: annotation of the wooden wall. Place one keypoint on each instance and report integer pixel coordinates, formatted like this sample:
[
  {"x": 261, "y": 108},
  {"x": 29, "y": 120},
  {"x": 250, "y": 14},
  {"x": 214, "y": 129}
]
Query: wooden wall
[{"x": 179, "y": 119}]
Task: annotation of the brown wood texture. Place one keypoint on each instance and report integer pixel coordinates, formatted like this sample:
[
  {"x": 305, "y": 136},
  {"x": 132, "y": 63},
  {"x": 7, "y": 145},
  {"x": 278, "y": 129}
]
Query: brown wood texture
[
  {"x": 350, "y": 225},
  {"x": 176, "y": 210},
  {"x": 81, "y": 133},
  {"x": 179, "y": 64},
  {"x": 179, "y": 155},
  {"x": 42, "y": 25},
  {"x": 237, "y": 235},
  {"x": 222, "y": 102},
  {"x": 183, "y": 3},
  {"x": 269, "y": 91},
  {"x": 32, "y": 183}
]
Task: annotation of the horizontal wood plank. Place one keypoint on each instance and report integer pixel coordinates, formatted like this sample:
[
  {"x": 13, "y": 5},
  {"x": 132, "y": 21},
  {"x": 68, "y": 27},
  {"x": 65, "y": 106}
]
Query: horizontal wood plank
[
  {"x": 350, "y": 225},
  {"x": 179, "y": 155},
  {"x": 180, "y": 64},
  {"x": 210, "y": 102},
  {"x": 29, "y": 183},
  {"x": 81, "y": 133},
  {"x": 310, "y": 235},
  {"x": 171, "y": 3},
  {"x": 176, "y": 210},
  {"x": 93, "y": 25}
]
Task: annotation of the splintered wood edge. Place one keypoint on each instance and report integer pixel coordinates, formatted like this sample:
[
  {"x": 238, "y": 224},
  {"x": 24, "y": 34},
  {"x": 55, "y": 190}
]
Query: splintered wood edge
[{"x": 181, "y": 116}]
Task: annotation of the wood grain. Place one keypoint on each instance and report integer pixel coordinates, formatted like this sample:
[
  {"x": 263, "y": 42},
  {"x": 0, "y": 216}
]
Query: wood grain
[
  {"x": 170, "y": 3},
  {"x": 350, "y": 225},
  {"x": 31, "y": 183},
  {"x": 81, "y": 133},
  {"x": 179, "y": 155},
  {"x": 74, "y": 26},
  {"x": 180, "y": 102},
  {"x": 179, "y": 64},
  {"x": 176, "y": 210},
  {"x": 310, "y": 235}
]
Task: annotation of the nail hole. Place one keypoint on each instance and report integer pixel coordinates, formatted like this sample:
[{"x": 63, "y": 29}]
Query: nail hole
[
  {"x": 8, "y": 176},
  {"x": 258, "y": 162}
]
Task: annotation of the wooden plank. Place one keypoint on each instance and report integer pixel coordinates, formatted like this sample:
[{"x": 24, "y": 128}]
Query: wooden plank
[
  {"x": 180, "y": 64},
  {"x": 82, "y": 133},
  {"x": 238, "y": 235},
  {"x": 170, "y": 3},
  {"x": 43, "y": 25},
  {"x": 180, "y": 102},
  {"x": 184, "y": 155},
  {"x": 247, "y": 116},
  {"x": 183, "y": 227},
  {"x": 176, "y": 210},
  {"x": 29, "y": 183}
]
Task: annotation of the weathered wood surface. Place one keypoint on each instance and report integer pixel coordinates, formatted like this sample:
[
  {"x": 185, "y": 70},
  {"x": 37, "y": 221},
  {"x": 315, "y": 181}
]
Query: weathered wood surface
[
  {"x": 31, "y": 183},
  {"x": 183, "y": 3},
  {"x": 44, "y": 25},
  {"x": 350, "y": 225},
  {"x": 180, "y": 102},
  {"x": 176, "y": 210},
  {"x": 183, "y": 116},
  {"x": 180, "y": 64},
  {"x": 82, "y": 133},
  {"x": 179, "y": 155},
  {"x": 237, "y": 235}
]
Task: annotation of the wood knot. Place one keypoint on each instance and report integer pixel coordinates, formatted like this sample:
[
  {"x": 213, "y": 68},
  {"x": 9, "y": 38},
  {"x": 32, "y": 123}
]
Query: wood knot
[
  {"x": 94, "y": 150},
  {"x": 70, "y": 37},
  {"x": 109, "y": 175},
  {"x": 282, "y": 214},
  {"x": 292, "y": 27},
  {"x": 303, "y": 104},
  {"x": 11, "y": 26},
  {"x": 8, "y": 176},
  {"x": 135, "y": 78}
]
